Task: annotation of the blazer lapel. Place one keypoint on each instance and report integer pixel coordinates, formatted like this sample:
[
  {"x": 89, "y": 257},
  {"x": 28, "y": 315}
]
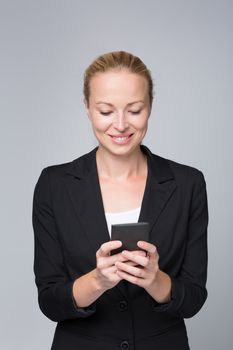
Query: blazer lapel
[
  {"x": 83, "y": 186},
  {"x": 160, "y": 186}
]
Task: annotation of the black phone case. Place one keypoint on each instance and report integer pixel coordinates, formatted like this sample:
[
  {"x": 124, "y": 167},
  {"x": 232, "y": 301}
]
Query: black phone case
[{"x": 129, "y": 235}]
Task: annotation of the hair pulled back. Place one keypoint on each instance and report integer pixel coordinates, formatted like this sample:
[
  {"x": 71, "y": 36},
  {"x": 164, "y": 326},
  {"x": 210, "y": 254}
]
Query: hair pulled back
[{"x": 117, "y": 60}]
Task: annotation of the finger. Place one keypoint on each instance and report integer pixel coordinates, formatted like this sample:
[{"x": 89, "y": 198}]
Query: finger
[
  {"x": 110, "y": 270},
  {"x": 149, "y": 248},
  {"x": 111, "y": 274},
  {"x": 106, "y": 248},
  {"x": 107, "y": 261},
  {"x": 132, "y": 270},
  {"x": 130, "y": 278},
  {"x": 139, "y": 252},
  {"x": 137, "y": 259},
  {"x": 131, "y": 263}
]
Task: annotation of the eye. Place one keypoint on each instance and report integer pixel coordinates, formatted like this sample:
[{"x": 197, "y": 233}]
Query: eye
[
  {"x": 105, "y": 113},
  {"x": 135, "y": 112}
]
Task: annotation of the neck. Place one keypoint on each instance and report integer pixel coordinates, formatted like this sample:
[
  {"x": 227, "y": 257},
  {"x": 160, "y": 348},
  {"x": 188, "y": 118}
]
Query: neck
[{"x": 120, "y": 167}]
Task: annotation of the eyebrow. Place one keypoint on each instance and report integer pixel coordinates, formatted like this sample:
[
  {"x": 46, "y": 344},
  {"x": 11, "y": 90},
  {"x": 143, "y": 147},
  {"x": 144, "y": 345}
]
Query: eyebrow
[{"x": 109, "y": 104}]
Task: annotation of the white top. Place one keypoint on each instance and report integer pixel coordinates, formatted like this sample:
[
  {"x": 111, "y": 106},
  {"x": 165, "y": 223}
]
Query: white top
[{"x": 123, "y": 217}]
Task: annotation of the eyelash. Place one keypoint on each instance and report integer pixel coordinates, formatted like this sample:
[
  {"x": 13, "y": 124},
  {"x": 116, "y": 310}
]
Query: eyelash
[
  {"x": 108, "y": 113},
  {"x": 105, "y": 113},
  {"x": 136, "y": 112}
]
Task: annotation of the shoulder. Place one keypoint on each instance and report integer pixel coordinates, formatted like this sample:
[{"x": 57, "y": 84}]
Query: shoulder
[
  {"x": 182, "y": 173},
  {"x": 77, "y": 167},
  {"x": 181, "y": 170},
  {"x": 186, "y": 175}
]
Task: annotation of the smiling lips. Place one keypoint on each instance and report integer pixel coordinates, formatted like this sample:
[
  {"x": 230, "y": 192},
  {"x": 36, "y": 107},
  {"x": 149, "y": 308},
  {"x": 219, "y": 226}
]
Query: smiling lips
[{"x": 121, "y": 139}]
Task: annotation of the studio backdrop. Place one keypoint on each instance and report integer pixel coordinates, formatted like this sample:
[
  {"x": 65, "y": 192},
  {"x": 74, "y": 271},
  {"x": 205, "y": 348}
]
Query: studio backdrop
[{"x": 45, "y": 48}]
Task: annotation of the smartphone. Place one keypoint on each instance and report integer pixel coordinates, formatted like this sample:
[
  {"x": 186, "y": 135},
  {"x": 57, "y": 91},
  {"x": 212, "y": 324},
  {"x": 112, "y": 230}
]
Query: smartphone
[{"x": 129, "y": 234}]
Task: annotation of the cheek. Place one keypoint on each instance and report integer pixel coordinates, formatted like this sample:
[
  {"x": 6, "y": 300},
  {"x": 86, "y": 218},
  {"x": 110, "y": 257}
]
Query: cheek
[
  {"x": 100, "y": 125},
  {"x": 141, "y": 124}
]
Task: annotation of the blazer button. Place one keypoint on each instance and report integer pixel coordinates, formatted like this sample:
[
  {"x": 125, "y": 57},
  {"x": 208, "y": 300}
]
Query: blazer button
[
  {"x": 124, "y": 345},
  {"x": 122, "y": 305}
]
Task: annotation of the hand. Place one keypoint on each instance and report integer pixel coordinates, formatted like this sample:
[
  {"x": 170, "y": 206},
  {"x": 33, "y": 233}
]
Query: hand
[
  {"x": 106, "y": 264},
  {"x": 142, "y": 270}
]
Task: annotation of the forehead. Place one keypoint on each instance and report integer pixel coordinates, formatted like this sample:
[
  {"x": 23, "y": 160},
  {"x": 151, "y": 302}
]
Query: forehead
[{"x": 114, "y": 84}]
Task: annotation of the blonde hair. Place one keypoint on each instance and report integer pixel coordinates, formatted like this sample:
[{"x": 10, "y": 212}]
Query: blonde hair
[{"x": 113, "y": 61}]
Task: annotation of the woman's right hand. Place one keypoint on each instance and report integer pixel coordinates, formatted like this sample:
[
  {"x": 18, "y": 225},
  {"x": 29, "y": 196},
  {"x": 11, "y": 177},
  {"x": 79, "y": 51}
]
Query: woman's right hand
[
  {"x": 105, "y": 265},
  {"x": 89, "y": 287},
  {"x": 106, "y": 275}
]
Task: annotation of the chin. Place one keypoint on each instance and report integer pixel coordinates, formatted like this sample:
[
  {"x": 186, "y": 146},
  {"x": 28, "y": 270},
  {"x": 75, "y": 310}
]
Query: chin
[{"x": 120, "y": 150}]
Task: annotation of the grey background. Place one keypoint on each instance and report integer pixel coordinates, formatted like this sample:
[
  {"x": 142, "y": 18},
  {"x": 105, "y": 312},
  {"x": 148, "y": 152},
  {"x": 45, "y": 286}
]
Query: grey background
[{"x": 45, "y": 47}]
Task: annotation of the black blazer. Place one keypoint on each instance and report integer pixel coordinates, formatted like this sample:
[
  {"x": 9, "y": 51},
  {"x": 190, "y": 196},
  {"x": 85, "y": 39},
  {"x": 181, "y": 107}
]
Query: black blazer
[{"x": 69, "y": 227}]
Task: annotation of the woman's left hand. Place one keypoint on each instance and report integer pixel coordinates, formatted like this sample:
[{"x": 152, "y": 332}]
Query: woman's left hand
[{"x": 145, "y": 269}]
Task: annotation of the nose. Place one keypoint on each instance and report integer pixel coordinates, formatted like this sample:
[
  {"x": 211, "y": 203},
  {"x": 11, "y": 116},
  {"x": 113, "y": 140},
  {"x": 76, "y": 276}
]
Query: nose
[{"x": 121, "y": 123}]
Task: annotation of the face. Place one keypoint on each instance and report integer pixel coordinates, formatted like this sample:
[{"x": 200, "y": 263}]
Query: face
[{"x": 119, "y": 109}]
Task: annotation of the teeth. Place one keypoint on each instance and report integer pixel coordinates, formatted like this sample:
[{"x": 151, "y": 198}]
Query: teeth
[{"x": 120, "y": 138}]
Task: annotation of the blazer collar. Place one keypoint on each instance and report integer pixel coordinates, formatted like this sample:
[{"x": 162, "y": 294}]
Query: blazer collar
[
  {"x": 80, "y": 167},
  {"x": 158, "y": 166}
]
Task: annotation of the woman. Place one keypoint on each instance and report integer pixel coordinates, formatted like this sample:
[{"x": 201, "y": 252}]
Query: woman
[{"x": 129, "y": 300}]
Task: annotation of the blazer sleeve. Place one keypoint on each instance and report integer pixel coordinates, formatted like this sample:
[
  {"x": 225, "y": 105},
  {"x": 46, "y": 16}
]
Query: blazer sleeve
[
  {"x": 189, "y": 287},
  {"x": 55, "y": 296}
]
